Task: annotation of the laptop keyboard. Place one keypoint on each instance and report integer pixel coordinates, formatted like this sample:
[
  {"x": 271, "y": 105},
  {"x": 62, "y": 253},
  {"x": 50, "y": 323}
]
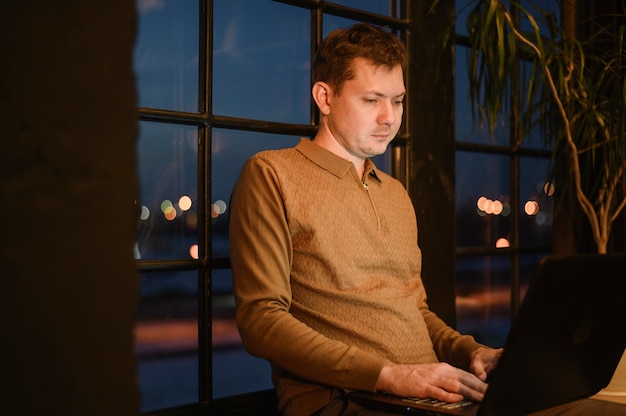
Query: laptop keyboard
[{"x": 437, "y": 403}]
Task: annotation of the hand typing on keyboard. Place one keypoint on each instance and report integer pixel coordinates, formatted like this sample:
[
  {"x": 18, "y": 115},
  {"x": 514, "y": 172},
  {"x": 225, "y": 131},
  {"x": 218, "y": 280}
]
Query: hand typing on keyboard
[
  {"x": 439, "y": 381},
  {"x": 484, "y": 360}
]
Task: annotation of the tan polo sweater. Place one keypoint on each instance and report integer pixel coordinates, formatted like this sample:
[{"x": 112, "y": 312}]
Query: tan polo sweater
[{"x": 326, "y": 271}]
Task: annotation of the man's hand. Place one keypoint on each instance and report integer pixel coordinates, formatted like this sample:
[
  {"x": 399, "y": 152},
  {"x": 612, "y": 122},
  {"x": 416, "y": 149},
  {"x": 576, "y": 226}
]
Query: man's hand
[
  {"x": 483, "y": 361},
  {"x": 439, "y": 381}
]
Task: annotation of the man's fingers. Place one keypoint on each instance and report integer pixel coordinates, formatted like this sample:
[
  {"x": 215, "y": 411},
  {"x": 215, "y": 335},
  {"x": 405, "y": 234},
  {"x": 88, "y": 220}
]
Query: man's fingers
[
  {"x": 460, "y": 384},
  {"x": 445, "y": 395}
]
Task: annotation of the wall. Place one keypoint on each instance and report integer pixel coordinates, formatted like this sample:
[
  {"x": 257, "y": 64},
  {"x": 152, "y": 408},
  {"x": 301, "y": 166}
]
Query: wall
[{"x": 67, "y": 189}]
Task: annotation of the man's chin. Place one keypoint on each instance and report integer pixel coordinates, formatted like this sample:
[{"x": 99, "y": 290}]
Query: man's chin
[{"x": 378, "y": 149}]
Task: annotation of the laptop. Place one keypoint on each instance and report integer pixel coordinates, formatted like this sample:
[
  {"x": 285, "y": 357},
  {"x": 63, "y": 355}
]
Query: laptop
[{"x": 564, "y": 344}]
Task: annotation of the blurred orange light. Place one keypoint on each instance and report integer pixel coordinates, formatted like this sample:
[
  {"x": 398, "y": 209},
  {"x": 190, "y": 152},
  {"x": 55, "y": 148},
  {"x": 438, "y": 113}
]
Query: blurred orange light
[
  {"x": 502, "y": 243},
  {"x": 169, "y": 213},
  {"x": 193, "y": 251},
  {"x": 531, "y": 208},
  {"x": 184, "y": 202}
]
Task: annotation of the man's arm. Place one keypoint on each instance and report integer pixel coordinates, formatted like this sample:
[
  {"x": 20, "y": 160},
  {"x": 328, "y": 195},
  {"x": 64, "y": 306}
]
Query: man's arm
[
  {"x": 448, "y": 380},
  {"x": 450, "y": 346}
]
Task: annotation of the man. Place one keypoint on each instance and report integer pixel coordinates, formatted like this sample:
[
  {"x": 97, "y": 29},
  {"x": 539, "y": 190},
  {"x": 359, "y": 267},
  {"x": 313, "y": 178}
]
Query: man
[{"x": 326, "y": 265}]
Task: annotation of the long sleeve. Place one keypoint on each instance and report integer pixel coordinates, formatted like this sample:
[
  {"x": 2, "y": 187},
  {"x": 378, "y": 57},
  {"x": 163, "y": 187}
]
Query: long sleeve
[
  {"x": 450, "y": 346},
  {"x": 262, "y": 254}
]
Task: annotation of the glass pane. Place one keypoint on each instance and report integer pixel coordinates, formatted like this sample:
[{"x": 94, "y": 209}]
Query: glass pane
[
  {"x": 466, "y": 129},
  {"x": 261, "y": 61},
  {"x": 166, "y": 339},
  {"x": 166, "y": 54},
  {"x": 230, "y": 150},
  {"x": 483, "y": 294},
  {"x": 463, "y": 8},
  {"x": 533, "y": 138},
  {"x": 234, "y": 370},
  {"x": 536, "y": 10},
  {"x": 168, "y": 165},
  {"x": 385, "y": 8},
  {"x": 483, "y": 300},
  {"x": 333, "y": 22},
  {"x": 482, "y": 199},
  {"x": 537, "y": 200}
]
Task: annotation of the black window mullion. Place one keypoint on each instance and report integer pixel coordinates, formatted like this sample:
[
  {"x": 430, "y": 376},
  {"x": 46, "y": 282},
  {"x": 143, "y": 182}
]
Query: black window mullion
[{"x": 205, "y": 342}]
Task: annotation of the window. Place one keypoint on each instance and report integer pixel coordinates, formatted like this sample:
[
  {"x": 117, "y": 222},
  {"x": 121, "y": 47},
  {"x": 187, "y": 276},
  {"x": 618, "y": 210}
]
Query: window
[
  {"x": 217, "y": 82},
  {"x": 503, "y": 210}
]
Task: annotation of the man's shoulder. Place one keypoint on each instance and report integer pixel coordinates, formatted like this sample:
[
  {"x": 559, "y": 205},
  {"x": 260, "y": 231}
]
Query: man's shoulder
[
  {"x": 275, "y": 162},
  {"x": 275, "y": 153},
  {"x": 275, "y": 156}
]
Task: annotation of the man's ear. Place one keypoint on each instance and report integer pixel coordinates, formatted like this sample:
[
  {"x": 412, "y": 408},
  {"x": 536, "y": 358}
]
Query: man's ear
[{"x": 322, "y": 92}]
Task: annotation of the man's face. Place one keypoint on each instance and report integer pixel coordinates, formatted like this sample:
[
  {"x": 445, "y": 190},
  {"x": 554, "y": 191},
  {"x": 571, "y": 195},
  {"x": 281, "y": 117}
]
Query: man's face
[{"x": 367, "y": 114}]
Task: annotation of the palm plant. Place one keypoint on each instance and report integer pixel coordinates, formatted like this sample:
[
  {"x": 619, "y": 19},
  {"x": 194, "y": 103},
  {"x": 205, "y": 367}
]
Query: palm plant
[{"x": 575, "y": 93}]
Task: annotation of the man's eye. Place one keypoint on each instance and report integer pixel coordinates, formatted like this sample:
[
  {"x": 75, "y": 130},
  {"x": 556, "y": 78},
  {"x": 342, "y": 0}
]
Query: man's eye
[{"x": 399, "y": 102}]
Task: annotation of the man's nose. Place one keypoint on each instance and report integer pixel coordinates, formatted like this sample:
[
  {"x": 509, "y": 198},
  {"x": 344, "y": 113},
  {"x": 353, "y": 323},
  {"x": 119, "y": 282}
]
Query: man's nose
[{"x": 387, "y": 113}]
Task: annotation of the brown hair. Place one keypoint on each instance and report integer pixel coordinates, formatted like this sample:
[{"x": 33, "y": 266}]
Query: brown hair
[{"x": 333, "y": 60}]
